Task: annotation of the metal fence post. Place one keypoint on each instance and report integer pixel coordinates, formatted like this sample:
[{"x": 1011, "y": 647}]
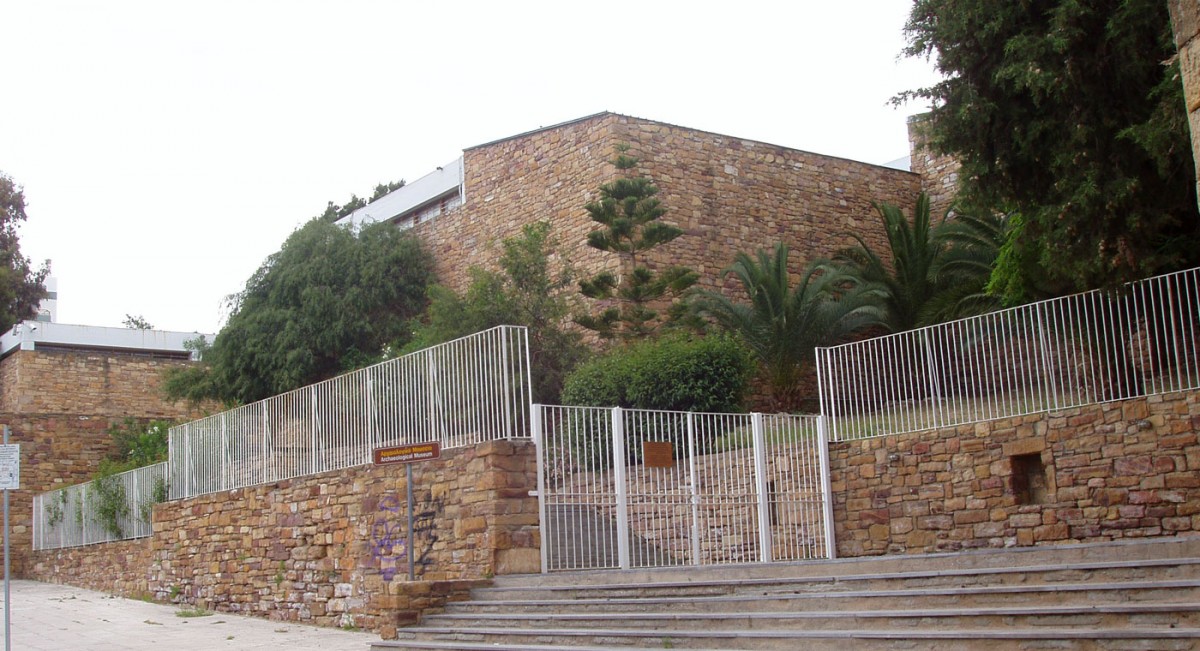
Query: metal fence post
[
  {"x": 539, "y": 451},
  {"x": 761, "y": 487},
  {"x": 314, "y": 433},
  {"x": 826, "y": 488},
  {"x": 693, "y": 484},
  {"x": 622, "y": 488}
]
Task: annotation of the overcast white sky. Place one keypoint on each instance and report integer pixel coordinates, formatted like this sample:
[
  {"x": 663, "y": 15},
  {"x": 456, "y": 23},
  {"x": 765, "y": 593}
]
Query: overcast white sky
[{"x": 167, "y": 147}]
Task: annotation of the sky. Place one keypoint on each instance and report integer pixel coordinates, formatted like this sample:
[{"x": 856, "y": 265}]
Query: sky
[{"x": 167, "y": 147}]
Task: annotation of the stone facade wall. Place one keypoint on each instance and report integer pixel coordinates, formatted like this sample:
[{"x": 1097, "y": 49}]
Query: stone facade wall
[
  {"x": 546, "y": 175},
  {"x": 92, "y": 383},
  {"x": 56, "y": 451},
  {"x": 1109, "y": 471},
  {"x": 939, "y": 174},
  {"x": 733, "y": 195},
  {"x": 1185, "y": 21},
  {"x": 59, "y": 406},
  {"x": 330, "y": 549},
  {"x": 728, "y": 194}
]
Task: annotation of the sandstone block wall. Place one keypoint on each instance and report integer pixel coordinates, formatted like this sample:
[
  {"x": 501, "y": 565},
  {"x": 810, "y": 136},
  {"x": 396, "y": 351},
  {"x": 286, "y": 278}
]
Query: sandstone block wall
[
  {"x": 728, "y": 194},
  {"x": 733, "y": 195},
  {"x": 87, "y": 382},
  {"x": 1185, "y": 21},
  {"x": 939, "y": 174},
  {"x": 59, "y": 406},
  {"x": 56, "y": 451},
  {"x": 1109, "y": 471},
  {"x": 331, "y": 549}
]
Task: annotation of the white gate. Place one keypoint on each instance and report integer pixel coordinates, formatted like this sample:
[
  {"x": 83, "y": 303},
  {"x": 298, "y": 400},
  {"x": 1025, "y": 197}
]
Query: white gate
[{"x": 621, "y": 488}]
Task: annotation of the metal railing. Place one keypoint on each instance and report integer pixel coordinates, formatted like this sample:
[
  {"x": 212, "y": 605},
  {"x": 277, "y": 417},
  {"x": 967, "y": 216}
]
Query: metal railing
[
  {"x": 117, "y": 507},
  {"x": 1077, "y": 350},
  {"x": 460, "y": 393},
  {"x": 621, "y": 488}
]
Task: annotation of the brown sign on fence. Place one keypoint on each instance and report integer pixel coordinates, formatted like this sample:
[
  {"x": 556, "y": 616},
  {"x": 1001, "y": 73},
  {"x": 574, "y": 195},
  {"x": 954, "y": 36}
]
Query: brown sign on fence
[
  {"x": 409, "y": 453},
  {"x": 657, "y": 454}
]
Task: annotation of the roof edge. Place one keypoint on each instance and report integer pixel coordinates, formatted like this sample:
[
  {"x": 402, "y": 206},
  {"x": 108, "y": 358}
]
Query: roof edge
[
  {"x": 541, "y": 129},
  {"x": 680, "y": 126}
]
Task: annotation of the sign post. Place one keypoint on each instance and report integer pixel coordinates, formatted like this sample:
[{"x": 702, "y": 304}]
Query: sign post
[
  {"x": 10, "y": 479},
  {"x": 407, "y": 455}
]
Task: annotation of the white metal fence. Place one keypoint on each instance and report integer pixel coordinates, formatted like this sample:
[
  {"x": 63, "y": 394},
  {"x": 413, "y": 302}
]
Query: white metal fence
[
  {"x": 460, "y": 393},
  {"x": 630, "y": 488},
  {"x": 113, "y": 508},
  {"x": 1088, "y": 348}
]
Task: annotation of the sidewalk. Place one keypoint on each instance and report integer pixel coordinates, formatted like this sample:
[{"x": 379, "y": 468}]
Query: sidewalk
[{"x": 49, "y": 617}]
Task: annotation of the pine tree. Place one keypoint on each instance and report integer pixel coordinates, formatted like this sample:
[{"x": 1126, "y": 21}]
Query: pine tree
[{"x": 630, "y": 214}]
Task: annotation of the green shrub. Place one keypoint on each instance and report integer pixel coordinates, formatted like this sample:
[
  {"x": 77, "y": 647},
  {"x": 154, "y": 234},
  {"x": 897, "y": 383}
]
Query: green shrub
[
  {"x": 673, "y": 374},
  {"x": 676, "y": 373}
]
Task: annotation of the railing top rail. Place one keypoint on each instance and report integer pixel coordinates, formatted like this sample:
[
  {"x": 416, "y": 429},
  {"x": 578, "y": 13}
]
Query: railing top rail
[
  {"x": 1111, "y": 291},
  {"x": 364, "y": 370}
]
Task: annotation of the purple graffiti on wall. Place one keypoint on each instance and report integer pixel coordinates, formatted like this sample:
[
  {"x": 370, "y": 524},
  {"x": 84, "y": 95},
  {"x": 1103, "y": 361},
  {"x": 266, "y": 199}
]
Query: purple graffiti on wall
[{"x": 389, "y": 544}]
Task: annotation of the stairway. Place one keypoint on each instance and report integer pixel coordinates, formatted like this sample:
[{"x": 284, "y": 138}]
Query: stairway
[{"x": 1118, "y": 596}]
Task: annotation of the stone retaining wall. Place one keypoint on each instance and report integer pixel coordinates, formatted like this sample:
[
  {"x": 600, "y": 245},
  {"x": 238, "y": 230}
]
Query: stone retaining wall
[
  {"x": 1102, "y": 472},
  {"x": 330, "y": 549}
]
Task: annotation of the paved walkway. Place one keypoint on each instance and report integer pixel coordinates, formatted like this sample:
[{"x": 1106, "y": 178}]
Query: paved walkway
[{"x": 49, "y": 617}]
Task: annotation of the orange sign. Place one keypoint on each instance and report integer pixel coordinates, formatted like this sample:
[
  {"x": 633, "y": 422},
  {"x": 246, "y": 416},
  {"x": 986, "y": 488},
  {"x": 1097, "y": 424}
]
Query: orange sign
[{"x": 409, "y": 453}]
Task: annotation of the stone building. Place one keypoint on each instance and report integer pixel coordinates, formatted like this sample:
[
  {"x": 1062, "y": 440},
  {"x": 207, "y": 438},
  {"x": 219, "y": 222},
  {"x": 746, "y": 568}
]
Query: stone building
[
  {"x": 62, "y": 387},
  {"x": 728, "y": 194}
]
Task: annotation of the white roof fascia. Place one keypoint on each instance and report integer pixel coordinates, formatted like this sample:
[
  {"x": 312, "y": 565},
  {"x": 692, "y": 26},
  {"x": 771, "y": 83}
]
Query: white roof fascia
[
  {"x": 441, "y": 181},
  {"x": 28, "y": 334}
]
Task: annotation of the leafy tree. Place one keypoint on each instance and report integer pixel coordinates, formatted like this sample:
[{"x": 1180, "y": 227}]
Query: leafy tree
[
  {"x": 782, "y": 324},
  {"x": 21, "y": 287},
  {"x": 629, "y": 212},
  {"x": 527, "y": 292},
  {"x": 137, "y": 322},
  {"x": 334, "y": 212},
  {"x": 329, "y": 300},
  {"x": 1063, "y": 112}
]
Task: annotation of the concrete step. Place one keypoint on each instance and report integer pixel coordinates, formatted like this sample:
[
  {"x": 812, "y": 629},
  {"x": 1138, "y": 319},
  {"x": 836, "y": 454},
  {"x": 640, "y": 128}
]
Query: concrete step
[
  {"x": 1131, "y": 551},
  {"x": 1119, "y": 597},
  {"x": 915, "y": 639},
  {"x": 981, "y": 595},
  {"x": 1107, "y": 616},
  {"x": 706, "y": 583}
]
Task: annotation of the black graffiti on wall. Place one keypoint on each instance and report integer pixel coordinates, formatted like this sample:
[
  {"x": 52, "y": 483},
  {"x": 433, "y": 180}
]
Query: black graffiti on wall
[{"x": 389, "y": 534}]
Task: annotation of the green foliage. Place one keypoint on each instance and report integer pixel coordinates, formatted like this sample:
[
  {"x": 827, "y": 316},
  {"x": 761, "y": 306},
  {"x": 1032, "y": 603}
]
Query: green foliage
[
  {"x": 107, "y": 500},
  {"x": 782, "y": 324},
  {"x": 137, "y": 322},
  {"x": 138, "y": 443},
  {"x": 678, "y": 373},
  {"x": 194, "y": 383},
  {"x": 527, "y": 292},
  {"x": 1071, "y": 115},
  {"x": 328, "y": 301},
  {"x": 159, "y": 494},
  {"x": 334, "y": 212},
  {"x": 629, "y": 212},
  {"x": 933, "y": 274},
  {"x": 21, "y": 288},
  {"x": 196, "y": 611},
  {"x": 56, "y": 510}
]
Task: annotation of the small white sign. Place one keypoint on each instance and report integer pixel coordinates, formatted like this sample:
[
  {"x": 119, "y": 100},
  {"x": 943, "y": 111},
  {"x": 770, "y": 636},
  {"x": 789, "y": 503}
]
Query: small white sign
[{"x": 10, "y": 467}]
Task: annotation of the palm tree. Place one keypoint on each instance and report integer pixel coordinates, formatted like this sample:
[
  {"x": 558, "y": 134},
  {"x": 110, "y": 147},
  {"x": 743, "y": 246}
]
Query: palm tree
[
  {"x": 936, "y": 273},
  {"x": 783, "y": 325}
]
